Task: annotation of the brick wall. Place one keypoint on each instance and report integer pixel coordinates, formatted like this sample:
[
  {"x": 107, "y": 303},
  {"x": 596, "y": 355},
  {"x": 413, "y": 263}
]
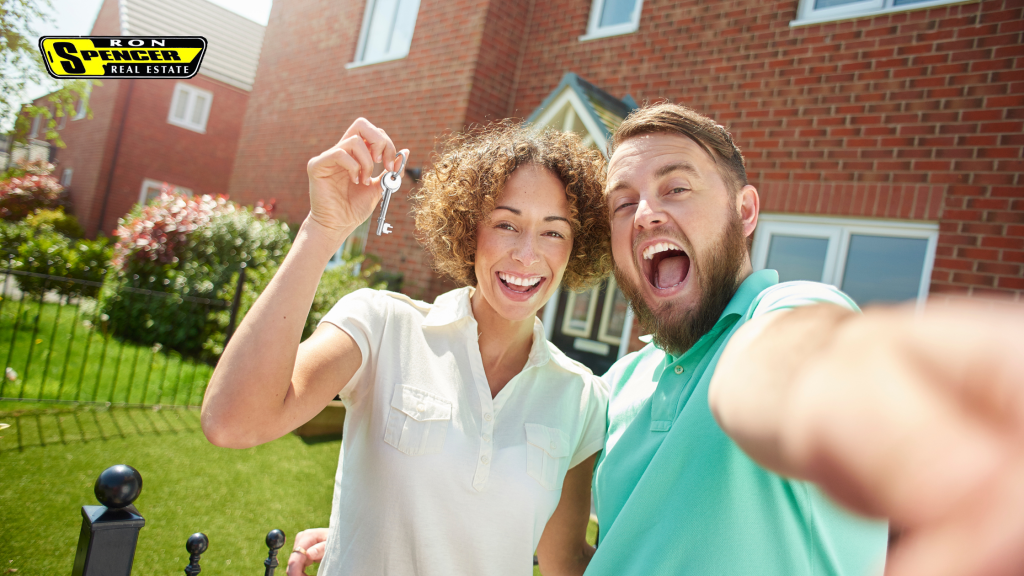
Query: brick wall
[
  {"x": 911, "y": 115},
  {"x": 304, "y": 99}
]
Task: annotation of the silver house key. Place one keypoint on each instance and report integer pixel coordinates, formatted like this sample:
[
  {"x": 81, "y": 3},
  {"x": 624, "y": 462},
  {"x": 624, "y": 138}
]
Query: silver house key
[{"x": 390, "y": 182}]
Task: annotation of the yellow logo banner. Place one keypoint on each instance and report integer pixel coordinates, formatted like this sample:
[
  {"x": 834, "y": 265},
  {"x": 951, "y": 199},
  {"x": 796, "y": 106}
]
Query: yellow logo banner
[{"x": 122, "y": 56}]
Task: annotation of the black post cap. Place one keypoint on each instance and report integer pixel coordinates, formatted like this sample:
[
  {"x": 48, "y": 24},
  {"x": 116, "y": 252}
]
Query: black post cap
[
  {"x": 118, "y": 486},
  {"x": 275, "y": 539},
  {"x": 197, "y": 543}
]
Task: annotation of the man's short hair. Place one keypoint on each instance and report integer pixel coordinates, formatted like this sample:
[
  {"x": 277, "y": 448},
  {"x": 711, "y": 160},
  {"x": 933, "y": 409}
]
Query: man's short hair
[{"x": 667, "y": 118}]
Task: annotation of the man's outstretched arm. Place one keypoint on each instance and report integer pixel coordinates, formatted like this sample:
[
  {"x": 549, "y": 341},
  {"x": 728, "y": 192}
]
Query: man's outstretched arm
[{"x": 914, "y": 417}]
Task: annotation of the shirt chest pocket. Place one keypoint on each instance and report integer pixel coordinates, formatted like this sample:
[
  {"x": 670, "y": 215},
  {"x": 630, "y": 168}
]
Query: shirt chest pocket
[
  {"x": 547, "y": 455},
  {"x": 417, "y": 421}
]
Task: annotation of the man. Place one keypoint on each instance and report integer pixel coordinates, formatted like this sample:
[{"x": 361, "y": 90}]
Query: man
[{"x": 919, "y": 419}]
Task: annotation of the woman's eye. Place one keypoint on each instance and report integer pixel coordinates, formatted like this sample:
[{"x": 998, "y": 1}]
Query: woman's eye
[
  {"x": 506, "y": 226},
  {"x": 556, "y": 234}
]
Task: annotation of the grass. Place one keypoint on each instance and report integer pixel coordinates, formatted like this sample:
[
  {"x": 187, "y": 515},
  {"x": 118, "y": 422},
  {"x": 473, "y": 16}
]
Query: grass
[
  {"x": 59, "y": 355},
  {"x": 50, "y": 460}
]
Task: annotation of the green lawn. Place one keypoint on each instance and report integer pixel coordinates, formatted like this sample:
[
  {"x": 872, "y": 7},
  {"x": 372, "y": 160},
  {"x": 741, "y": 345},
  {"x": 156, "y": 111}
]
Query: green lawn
[
  {"x": 50, "y": 460},
  {"x": 64, "y": 353}
]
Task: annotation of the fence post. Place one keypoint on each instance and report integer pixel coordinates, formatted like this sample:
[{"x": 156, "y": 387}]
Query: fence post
[
  {"x": 235, "y": 303},
  {"x": 106, "y": 545}
]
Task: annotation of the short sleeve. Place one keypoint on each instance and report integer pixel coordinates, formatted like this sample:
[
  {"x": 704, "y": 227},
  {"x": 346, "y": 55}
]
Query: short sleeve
[
  {"x": 595, "y": 423},
  {"x": 362, "y": 315},
  {"x": 798, "y": 293}
]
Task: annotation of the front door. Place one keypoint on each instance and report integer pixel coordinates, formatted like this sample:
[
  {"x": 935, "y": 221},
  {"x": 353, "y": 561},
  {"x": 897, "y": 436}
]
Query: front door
[{"x": 589, "y": 326}]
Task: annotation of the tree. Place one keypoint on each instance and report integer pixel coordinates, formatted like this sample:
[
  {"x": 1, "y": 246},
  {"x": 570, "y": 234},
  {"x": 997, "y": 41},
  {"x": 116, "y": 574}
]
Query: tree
[{"x": 21, "y": 65}]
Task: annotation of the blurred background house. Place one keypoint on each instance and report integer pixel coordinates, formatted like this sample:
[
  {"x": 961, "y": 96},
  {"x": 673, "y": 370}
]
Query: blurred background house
[
  {"x": 884, "y": 136},
  {"x": 150, "y": 134}
]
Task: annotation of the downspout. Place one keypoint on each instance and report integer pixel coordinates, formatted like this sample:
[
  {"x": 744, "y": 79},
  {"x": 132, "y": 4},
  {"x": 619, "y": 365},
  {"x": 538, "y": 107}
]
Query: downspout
[{"x": 113, "y": 161}]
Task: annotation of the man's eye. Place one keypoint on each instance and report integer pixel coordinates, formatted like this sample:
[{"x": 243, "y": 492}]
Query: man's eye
[
  {"x": 624, "y": 205},
  {"x": 679, "y": 190}
]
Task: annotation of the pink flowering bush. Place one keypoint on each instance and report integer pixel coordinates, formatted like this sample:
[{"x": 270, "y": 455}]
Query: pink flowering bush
[
  {"x": 176, "y": 254},
  {"x": 31, "y": 188}
]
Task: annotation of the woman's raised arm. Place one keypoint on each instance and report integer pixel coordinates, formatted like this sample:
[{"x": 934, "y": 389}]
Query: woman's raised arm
[{"x": 267, "y": 383}]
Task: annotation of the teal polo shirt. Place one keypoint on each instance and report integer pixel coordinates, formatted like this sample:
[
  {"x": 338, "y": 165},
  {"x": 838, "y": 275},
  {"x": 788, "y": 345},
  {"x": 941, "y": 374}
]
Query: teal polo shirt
[{"x": 675, "y": 495}]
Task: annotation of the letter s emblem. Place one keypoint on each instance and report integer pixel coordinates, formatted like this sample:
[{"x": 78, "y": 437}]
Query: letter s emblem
[{"x": 64, "y": 50}]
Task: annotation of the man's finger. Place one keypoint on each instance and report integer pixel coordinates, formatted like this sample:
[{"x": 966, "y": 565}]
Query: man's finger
[{"x": 297, "y": 563}]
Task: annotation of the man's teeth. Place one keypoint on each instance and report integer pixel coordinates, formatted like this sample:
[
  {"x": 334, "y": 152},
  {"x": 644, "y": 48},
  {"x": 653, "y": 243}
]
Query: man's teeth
[
  {"x": 510, "y": 279},
  {"x": 653, "y": 249}
]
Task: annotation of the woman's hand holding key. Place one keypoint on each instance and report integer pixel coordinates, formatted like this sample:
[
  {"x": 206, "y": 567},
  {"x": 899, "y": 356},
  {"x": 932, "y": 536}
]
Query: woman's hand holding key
[{"x": 342, "y": 189}]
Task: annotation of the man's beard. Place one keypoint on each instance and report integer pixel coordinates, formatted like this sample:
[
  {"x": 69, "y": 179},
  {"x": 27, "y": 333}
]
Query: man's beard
[{"x": 677, "y": 330}]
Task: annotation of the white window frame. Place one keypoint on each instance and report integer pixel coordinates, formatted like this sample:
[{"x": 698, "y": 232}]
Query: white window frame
[
  {"x": 81, "y": 109},
  {"x": 150, "y": 183},
  {"x": 807, "y": 14},
  {"x": 36, "y": 122},
  {"x": 65, "y": 177},
  {"x": 606, "y": 315},
  {"x": 362, "y": 232},
  {"x": 838, "y": 231},
  {"x": 189, "y": 91},
  {"x": 63, "y": 122},
  {"x": 360, "y": 59},
  {"x": 595, "y": 31},
  {"x": 570, "y": 303}
]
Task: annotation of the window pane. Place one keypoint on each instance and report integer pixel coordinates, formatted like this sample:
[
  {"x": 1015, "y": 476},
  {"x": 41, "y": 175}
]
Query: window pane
[
  {"x": 580, "y": 307},
  {"x": 616, "y": 12},
  {"x": 405, "y": 23},
  {"x": 883, "y": 268},
  {"x": 903, "y": 2},
  {"x": 382, "y": 24},
  {"x": 819, "y": 4},
  {"x": 198, "y": 109},
  {"x": 181, "y": 105},
  {"x": 618, "y": 314},
  {"x": 797, "y": 257}
]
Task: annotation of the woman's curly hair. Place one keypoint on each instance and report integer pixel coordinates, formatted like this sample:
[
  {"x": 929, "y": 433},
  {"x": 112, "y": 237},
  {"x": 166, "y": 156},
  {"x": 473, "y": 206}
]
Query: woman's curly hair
[{"x": 471, "y": 170}]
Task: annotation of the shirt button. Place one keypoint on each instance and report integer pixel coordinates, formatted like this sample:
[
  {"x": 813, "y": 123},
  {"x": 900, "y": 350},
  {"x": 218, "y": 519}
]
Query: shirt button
[
  {"x": 552, "y": 445},
  {"x": 487, "y": 416},
  {"x": 420, "y": 407},
  {"x": 487, "y": 437},
  {"x": 485, "y": 459},
  {"x": 679, "y": 369}
]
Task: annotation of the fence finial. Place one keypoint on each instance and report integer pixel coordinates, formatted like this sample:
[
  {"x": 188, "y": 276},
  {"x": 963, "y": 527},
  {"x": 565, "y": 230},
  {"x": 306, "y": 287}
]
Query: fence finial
[
  {"x": 196, "y": 545},
  {"x": 106, "y": 544},
  {"x": 275, "y": 540}
]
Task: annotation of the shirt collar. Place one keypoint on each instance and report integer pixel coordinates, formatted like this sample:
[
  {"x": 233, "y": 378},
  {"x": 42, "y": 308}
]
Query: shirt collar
[{"x": 452, "y": 307}]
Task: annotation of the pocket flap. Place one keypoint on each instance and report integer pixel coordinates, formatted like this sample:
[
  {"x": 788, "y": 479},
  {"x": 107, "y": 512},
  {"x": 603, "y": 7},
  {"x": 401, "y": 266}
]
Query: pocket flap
[
  {"x": 420, "y": 405},
  {"x": 551, "y": 440}
]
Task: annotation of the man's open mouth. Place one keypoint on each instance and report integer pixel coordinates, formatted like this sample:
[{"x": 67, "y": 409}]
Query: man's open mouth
[
  {"x": 665, "y": 265},
  {"x": 520, "y": 284}
]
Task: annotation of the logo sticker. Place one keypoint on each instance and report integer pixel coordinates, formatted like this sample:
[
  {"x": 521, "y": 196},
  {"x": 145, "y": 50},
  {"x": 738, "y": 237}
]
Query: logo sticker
[{"x": 122, "y": 56}]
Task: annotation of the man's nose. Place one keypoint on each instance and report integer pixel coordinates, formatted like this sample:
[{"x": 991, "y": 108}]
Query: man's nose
[
  {"x": 525, "y": 251},
  {"x": 648, "y": 215}
]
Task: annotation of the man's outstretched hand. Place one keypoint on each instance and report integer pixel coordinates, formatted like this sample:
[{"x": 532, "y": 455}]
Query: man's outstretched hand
[{"x": 916, "y": 417}]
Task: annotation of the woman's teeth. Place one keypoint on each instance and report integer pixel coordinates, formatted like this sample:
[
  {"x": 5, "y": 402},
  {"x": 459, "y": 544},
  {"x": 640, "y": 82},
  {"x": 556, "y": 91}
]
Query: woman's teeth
[{"x": 517, "y": 281}]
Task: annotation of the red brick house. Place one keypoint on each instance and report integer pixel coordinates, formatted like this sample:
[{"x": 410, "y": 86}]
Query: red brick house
[
  {"x": 886, "y": 137},
  {"x": 145, "y": 134}
]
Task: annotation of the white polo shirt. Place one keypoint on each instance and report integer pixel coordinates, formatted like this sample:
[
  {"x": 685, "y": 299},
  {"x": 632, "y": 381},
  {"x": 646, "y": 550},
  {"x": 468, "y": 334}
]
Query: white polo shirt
[{"x": 436, "y": 477}]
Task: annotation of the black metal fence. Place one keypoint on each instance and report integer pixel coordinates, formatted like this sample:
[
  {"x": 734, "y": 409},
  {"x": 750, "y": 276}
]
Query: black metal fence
[{"x": 58, "y": 346}]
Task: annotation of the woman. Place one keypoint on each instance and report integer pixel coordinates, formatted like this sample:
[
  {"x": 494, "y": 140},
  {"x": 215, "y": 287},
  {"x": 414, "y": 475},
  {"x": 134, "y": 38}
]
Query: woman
[{"x": 469, "y": 439}]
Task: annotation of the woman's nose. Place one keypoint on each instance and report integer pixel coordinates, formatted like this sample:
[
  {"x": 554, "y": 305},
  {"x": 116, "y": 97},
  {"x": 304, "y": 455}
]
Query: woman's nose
[{"x": 525, "y": 251}]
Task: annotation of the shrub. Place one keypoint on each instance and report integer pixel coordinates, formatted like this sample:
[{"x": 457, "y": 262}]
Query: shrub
[
  {"x": 12, "y": 235},
  {"x": 33, "y": 190},
  {"x": 176, "y": 253},
  {"x": 43, "y": 251},
  {"x": 56, "y": 220}
]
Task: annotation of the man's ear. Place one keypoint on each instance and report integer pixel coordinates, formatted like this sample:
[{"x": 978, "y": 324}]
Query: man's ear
[{"x": 748, "y": 206}]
